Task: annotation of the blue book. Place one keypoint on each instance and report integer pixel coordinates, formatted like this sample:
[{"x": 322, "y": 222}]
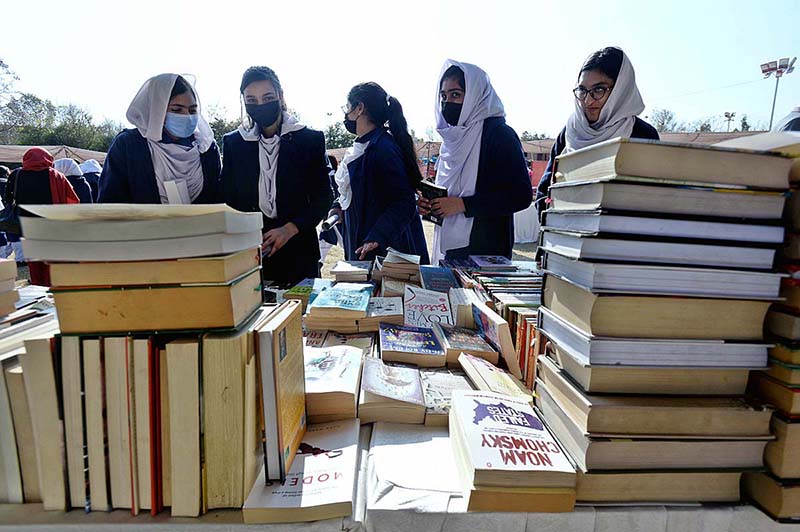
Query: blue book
[
  {"x": 339, "y": 302},
  {"x": 438, "y": 278},
  {"x": 411, "y": 345}
]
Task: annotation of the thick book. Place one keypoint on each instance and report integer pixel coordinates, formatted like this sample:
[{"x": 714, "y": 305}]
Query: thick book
[
  {"x": 784, "y": 322},
  {"x": 653, "y": 251},
  {"x": 48, "y": 428},
  {"x": 647, "y": 454},
  {"x": 778, "y": 498},
  {"x": 623, "y": 158},
  {"x": 120, "y": 457},
  {"x": 658, "y": 487},
  {"x": 634, "y": 316},
  {"x": 321, "y": 483},
  {"x": 431, "y": 191},
  {"x": 487, "y": 377},
  {"x": 339, "y": 302},
  {"x": 395, "y": 257},
  {"x": 23, "y": 430},
  {"x": 364, "y": 341},
  {"x": 411, "y": 345},
  {"x": 132, "y": 223},
  {"x": 666, "y": 199},
  {"x": 181, "y": 307},
  {"x": 505, "y": 443},
  {"x": 497, "y": 332},
  {"x": 280, "y": 352},
  {"x": 668, "y": 352},
  {"x": 426, "y": 308},
  {"x": 653, "y": 415},
  {"x": 786, "y": 373},
  {"x": 668, "y": 280},
  {"x": 333, "y": 379},
  {"x": 438, "y": 385},
  {"x": 381, "y": 310},
  {"x": 96, "y": 432},
  {"x": 437, "y": 278},
  {"x": 11, "y": 490},
  {"x": 784, "y": 397},
  {"x": 619, "y": 222},
  {"x": 72, "y": 398},
  {"x": 390, "y": 393},
  {"x": 662, "y": 380},
  {"x": 457, "y": 340},
  {"x": 781, "y": 456},
  {"x": 353, "y": 270}
]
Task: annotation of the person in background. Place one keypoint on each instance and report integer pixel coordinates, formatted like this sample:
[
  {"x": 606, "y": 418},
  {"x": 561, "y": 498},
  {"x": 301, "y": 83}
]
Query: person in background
[
  {"x": 482, "y": 165},
  {"x": 170, "y": 157},
  {"x": 38, "y": 183},
  {"x": 377, "y": 178},
  {"x": 5, "y": 246},
  {"x": 91, "y": 172},
  {"x": 607, "y": 105},
  {"x": 329, "y": 238},
  {"x": 277, "y": 166},
  {"x": 790, "y": 122},
  {"x": 73, "y": 173}
]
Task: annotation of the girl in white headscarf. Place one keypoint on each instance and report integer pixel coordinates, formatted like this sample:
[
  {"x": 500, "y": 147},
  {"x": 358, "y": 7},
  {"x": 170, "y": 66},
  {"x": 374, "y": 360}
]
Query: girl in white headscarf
[
  {"x": 607, "y": 105},
  {"x": 481, "y": 164},
  {"x": 74, "y": 175},
  {"x": 170, "y": 157}
]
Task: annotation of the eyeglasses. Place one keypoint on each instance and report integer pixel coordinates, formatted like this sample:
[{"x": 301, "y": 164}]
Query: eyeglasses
[
  {"x": 597, "y": 93},
  {"x": 346, "y": 109}
]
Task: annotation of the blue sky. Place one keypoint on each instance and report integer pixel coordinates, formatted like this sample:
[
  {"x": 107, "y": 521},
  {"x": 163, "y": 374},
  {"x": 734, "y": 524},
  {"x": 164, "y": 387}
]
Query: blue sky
[{"x": 696, "y": 58}]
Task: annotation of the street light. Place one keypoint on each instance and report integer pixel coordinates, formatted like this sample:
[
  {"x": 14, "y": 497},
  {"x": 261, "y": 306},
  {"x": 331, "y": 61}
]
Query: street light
[
  {"x": 779, "y": 68},
  {"x": 729, "y": 118}
]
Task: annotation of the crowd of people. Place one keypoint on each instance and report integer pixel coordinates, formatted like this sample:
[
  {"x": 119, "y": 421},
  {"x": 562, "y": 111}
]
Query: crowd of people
[{"x": 275, "y": 165}]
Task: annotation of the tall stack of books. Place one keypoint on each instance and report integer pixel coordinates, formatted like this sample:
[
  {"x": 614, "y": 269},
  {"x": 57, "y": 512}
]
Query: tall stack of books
[
  {"x": 151, "y": 387},
  {"x": 659, "y": 273},
  {"x": 777, "y": 490}
]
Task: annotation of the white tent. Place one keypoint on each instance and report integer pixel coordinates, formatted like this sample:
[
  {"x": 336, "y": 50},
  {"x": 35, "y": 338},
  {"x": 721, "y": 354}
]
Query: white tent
[{"x": 13, "y": 154}]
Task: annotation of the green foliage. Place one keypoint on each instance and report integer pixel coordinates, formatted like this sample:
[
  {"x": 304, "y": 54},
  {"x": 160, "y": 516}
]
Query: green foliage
[
  {"x": 336, "y": 136},
  {"x": 528, "y": 137},
  {"x": 220, "y": 125}
]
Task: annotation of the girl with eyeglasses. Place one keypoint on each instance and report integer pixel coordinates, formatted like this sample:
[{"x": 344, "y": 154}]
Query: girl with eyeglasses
[
  {"x": 170, "y": 156},
  {"x": 377, "y": 178},
  {"x": 277, "y": 166},
  {"x": 481, "y": 164},
  {"x": 607, "y": 103}
]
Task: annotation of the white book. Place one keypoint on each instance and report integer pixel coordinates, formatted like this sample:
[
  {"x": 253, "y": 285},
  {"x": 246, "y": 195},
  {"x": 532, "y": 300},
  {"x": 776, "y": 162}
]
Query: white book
[
  {"x": 320, "y": 483},
  {"x": 425, "y": 308},
  {"x": 332, "y": 369},
  {"x": 10, "y": 472},
  {"x": 646, "y": 279},
  {"x": 156, "y": 249},
  {"x": 593, "y": 350},
  {"x": 581, "y": 247},
  {"x": 384, "y": 306},
  {"x": 505, "y": 442},
  {"x": 394, "y": 256},
  {"x": 600, "y": 222}
]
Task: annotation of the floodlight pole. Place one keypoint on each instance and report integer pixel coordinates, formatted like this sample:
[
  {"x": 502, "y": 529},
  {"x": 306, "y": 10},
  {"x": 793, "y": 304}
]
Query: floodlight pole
[{"x": 774, "y": 97}]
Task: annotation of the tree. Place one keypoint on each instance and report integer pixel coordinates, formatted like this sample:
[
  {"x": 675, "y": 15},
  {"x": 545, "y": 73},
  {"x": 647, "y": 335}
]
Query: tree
[
  {"x": 745, "y": 126},
  {"x": 25, "y": 115},
  {"x": 220, "y": 125},
  {"x": 528, "y": 137},
  {"x": 7, "y": 80},
  {"x": 336, "y": 136},
  {"x": 664, "y": 121}
]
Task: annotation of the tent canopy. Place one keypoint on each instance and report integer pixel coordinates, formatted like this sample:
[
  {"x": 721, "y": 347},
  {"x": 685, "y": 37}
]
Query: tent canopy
[{"x": 13, "y": 154}]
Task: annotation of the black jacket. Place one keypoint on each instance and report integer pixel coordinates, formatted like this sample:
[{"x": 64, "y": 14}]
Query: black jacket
[
  {"x": 503, "y": 187},
  {"x": 641, "y": 130},
  {"x": 303, "y": 196}
]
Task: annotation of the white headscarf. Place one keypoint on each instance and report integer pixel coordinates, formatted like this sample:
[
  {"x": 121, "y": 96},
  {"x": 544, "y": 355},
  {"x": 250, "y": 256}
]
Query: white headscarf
[
  {"x": 171, "y": 162},
  {"x": 91, "y": 167},
  {"x": 68, "y": 167},
  {"x": 342, "y": 176},
  {"x": 783, "y": 125},
  {"x": 616, "y": 118},
  {"x": 268, "y": 150},
  {"x": 457, "y": 167}
]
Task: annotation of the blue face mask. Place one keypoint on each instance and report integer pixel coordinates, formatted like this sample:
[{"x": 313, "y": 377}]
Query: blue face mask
[{"x": 179, "y": 125}]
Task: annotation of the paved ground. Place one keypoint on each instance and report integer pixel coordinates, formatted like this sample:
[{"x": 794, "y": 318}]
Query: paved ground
[{"x": 521, "y": 251}]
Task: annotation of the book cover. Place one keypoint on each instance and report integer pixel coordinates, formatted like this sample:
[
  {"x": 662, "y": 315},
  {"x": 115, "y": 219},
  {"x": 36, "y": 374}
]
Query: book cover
[
  {"x": 504, "y": 433},
  {"x": 352, "y": 267},
  {"x": 315, "y": 338},
  {"x": 384, "y": 306},
  {"x": 393, "y": 382},
  {"x": 431, "y": 191},
  {"x": 394, "y": 256},
  {"x": 437, "y": 279},
  {"x": 492, "y": 262},
  {"x": 341, "y": 299},
  {"x": 461, "y": 339},
  {"x": 423, "y": 308},
  {"x": 438, "y": 385},
  {"x": 332, "y": 369},
  {"x": 307, "y": 287},
  {"x": 488, "y": 377},
  {"x": 322, "y": 476},
  {"x": 408, "y": 339}
]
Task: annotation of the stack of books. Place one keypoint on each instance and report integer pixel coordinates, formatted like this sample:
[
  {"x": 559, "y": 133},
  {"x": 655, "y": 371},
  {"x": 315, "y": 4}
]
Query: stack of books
[
  {"x": 506, "y": 458},
  {"x": 151, "y": 387},
  {"x": 659, "y": 273},
  {"x": 398, "y": 266},
  {"x": 777, "y": 489},
  {"x": 307, "y": 290},
  {"x": 356, "y": 271},
  {"x": 349, "y": 308}
]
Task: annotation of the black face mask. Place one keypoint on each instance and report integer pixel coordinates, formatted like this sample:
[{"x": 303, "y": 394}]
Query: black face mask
[
  {"x": 264, "y": 114},
  {"x": 350, "y": 125},
  {"x": 451, "y": 112}
]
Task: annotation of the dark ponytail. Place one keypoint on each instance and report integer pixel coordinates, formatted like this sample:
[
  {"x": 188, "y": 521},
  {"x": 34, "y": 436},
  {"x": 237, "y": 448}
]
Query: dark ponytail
[{"x": 382, "y": 108}]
